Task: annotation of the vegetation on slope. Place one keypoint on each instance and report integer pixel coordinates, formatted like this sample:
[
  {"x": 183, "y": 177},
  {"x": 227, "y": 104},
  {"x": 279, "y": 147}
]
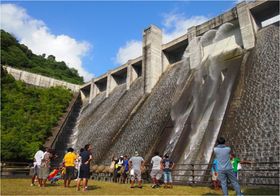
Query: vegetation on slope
[
  {"x": 28, "y": 114},
  {"x": 19, "y": 56}
]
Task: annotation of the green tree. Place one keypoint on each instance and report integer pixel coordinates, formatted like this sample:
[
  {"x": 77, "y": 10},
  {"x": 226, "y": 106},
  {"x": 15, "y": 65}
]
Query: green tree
[
  {"x": 20, "y": 56},
  {"x": 28, "y": 114}
]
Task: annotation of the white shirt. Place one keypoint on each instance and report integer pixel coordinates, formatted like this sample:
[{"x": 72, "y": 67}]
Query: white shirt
[
  {"x": 156, "y": 162},
  {"x": 38, "y": 157},
  {"x": 136, "y": 162}
]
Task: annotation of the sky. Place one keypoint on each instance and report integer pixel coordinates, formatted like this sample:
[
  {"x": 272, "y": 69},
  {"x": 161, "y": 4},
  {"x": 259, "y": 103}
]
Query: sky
[{"x": 96, "y": 36}]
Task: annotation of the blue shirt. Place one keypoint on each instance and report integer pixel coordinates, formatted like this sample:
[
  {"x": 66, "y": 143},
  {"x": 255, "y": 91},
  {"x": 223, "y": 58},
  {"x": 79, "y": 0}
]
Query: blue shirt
[
  {"x": 222, "y": 153},
  {"x": 85, "y": 157},
  {"x": 167, "y": 164},
  {"x": 214, "y": 166},
  {"x": 125, "y": 164}
]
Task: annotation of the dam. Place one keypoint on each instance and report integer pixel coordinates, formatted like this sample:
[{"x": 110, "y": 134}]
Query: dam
[{"x": 220, "y": 78}]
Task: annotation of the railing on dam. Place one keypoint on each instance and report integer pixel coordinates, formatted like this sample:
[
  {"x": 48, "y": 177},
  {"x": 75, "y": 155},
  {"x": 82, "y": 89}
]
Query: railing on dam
[
  {"x": 254, "y": 174},
  {"x": 258, "y": 173}
]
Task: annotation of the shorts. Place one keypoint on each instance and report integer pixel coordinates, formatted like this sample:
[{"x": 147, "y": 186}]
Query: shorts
[
  {"x": 135, "y": 174},
  {"x": 70, "y": 171},
  {"x": 156, "y": 173},
  {"x": 84, "y": 172},
  {"x": 43, "y": 173},
  {"x": 34, "y": 171},
  {"x": 167, "y": 176}
]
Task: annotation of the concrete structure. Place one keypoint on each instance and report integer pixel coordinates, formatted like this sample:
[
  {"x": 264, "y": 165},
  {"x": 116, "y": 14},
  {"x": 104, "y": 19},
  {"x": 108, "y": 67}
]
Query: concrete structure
[
  {"x": 152, "y": 61},
  {"x": 247, "y": 18},
  {"x": 203, "y": 93},
  {"x": 39, "y": 80}
]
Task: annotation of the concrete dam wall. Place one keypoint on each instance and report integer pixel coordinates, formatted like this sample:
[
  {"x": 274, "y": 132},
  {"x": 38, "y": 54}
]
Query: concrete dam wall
[
  {"x": 252, "y": 123},
  {"x": 221, "y": 78}
]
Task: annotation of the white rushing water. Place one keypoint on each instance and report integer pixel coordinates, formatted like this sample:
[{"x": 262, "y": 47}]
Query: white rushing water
[{"x": 198, "y": 113}]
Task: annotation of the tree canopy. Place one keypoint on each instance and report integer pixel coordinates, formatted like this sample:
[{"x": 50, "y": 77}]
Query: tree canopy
[{"x": 20, "y": 56}]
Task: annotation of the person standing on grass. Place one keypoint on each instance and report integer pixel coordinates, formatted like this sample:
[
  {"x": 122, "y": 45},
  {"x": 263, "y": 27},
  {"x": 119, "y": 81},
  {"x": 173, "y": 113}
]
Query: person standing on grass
[
  {"x": 69, "y": 162},
  {"x": 156, "y": 172},
  {"x": 126, "y": 169},
  {"x": 113, "y": 167},
  {"x": 224, "y": 167},
  {"x": 78, "y": 163},
  {"x": 86, "y": 157},
  {"x": 135, "y": 164},
  {"x": 45, "y": 167},
  {"x": 214, "y": 173},
  {"x": 167, "y": 166},
  {"x": 236, "y": 164},
  {"x": 36, "y": 165}
]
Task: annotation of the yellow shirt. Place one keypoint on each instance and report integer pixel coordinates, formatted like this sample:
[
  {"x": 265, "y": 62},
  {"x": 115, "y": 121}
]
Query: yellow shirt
[{"x": 69, "y": 159}]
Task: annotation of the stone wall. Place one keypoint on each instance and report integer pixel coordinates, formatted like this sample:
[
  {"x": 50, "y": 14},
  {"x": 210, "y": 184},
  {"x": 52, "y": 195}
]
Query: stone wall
[
  {"x": 142, "y": 132},
  {"x": 252, "y": 124}
]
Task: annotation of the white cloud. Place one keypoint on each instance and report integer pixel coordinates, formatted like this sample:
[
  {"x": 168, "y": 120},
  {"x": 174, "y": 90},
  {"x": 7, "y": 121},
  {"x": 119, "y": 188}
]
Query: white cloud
[
  {"x": 238, "y": 1},
  {"x": 131, "y": 50},
  {"x": 174, "y": 25},
  {"x": 36, "y": 35}
]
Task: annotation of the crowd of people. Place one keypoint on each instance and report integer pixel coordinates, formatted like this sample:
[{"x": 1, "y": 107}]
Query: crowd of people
[
  {"x": 224, "y": 168},
  {"x": 73, "y": 165},
  {"x": 134, "y": 167}
]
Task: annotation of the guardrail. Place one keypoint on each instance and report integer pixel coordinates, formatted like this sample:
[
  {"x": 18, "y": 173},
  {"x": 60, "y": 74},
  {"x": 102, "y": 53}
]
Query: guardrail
[
  {"x": 259, "y": 173},
  {"x": 15, "y": 169},
  {"x": 200, "y": 174}
]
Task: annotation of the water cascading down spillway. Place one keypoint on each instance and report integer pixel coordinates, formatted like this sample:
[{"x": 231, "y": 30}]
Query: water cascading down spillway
[{"x": 198, "y": 112}]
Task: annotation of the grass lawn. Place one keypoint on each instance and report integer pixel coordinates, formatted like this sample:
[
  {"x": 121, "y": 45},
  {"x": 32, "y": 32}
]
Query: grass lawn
[{"x": 22, "y": 187}]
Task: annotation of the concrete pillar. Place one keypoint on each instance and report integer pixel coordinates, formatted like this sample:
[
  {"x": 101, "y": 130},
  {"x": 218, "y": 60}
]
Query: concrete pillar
[
  {"x": 152, "y": 62},
  {"x": 128, "y": 75},
  {"x": 95, "y": 90},
  {"x": 131, "y": 75},
  {"x": 165, "y": 61},
  {"x": 83, "y": 97},
  {"x": 113, "y": 83},
  {"x": 134, "y": 74},
  {"x": 91, "y": 91},
  {"x": 246, "y": 25},
  {"x": 191, "y": 33},
  {"x": 108, "y": 84}
]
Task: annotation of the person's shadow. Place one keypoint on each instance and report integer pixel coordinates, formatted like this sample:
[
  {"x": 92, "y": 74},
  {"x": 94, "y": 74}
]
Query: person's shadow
[
  {"x": 93, "y": 187},
  {"x": 211, "y": 194}
]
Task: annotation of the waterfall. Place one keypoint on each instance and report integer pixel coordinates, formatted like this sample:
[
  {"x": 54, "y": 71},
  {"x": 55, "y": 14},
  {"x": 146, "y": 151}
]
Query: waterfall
[{"x": 197, "y": 114}]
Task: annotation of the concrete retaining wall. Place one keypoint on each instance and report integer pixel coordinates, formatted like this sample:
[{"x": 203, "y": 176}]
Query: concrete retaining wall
[{"x": 39, "y": 80}]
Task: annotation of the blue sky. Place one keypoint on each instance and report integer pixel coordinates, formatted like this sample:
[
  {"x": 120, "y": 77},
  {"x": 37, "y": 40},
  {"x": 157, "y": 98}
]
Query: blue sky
[{"x": 101, "y": 35}]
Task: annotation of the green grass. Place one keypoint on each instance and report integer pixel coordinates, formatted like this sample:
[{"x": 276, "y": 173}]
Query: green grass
[{"x": 22, "y": 187}]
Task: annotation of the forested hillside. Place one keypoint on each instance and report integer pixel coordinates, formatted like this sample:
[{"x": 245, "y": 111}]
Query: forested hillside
[
  {"x": 19, "y": 56},
  {"x": 28, "y": 114}
]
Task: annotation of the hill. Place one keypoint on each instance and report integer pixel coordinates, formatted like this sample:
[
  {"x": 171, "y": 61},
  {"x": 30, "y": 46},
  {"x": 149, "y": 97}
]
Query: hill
[
  {"x": 20, "y": 56},
  {"x": 28, "y": 114}
]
